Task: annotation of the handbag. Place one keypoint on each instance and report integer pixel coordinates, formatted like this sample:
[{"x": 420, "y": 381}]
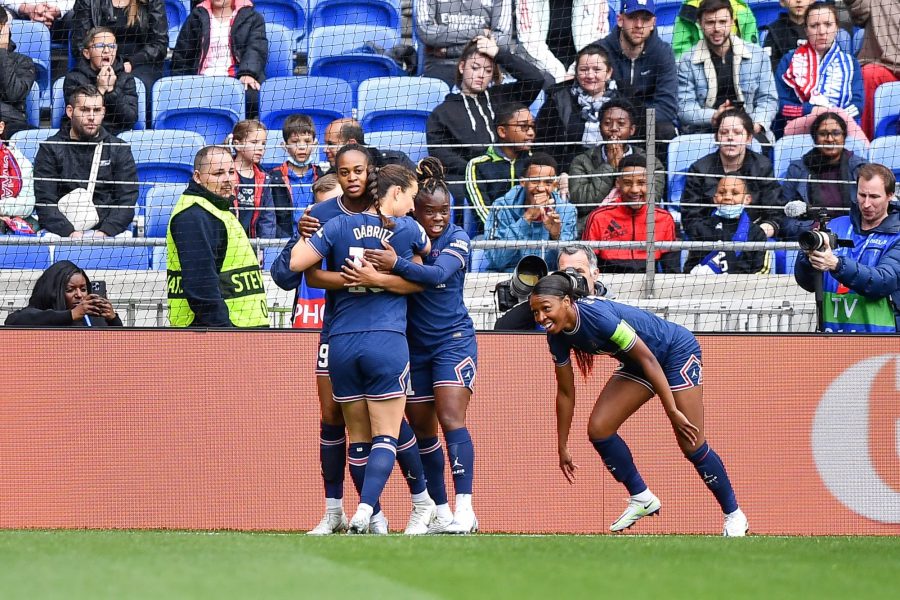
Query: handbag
[{"x": 78, "y": 205}]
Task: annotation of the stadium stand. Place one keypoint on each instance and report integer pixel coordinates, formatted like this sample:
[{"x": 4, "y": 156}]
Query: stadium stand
[
  {"x": 162, "y": 156},
  {"x": 281, "y": 51},
  {"x": 104, "y": 257},
  {"x": 210, "y": 106},
  {"x": 287, "y": 13},
  {"x": 275, "y": 152},
  {"x": 33, "y": 105},
  {"x": 323, "y": 99},
  {"x": 766, "y": 12},
  {"x": 33, "y": 39},
  {"x": 792, "y": 147},
  {"x": 410, "y": 142},
  {"x": 177, "y": 12},
  {"x": 29, "y": 140},
  {"x": 399, "y": 103},
  {"x": 887, "y": 109},
  {"x": 58, "y": 105},
  {"x": 353, "y": 53},
  {"x": 335, "y": 13},
  {"x": 886, "y": 151},
  {"x": 24, "y": 257}
]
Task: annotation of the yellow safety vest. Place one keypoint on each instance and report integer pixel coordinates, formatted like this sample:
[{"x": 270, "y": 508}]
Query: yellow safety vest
[{"x": 240, "y": 281}]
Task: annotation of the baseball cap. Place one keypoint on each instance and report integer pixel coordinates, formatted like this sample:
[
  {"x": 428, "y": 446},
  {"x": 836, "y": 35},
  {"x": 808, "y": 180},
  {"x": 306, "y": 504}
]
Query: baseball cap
[{"x": 629, "y": 7}]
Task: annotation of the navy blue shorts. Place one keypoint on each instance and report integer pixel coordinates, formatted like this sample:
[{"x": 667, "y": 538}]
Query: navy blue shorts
[
  {"x": 453, "y": 363},
  {"x": 373, "y": 365},
  {"x": 683, "y": 365}
]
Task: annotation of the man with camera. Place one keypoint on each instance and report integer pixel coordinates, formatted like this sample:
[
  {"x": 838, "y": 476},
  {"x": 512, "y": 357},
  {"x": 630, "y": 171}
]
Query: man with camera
[
  {"x": 512, "y": 295},
  {"x": 854, "y": 266}
]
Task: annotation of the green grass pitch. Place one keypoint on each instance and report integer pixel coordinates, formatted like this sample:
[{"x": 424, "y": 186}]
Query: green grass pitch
[{"x": 153, "y": 564}]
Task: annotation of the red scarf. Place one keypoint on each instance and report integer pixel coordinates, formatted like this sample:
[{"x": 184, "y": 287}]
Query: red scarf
[{"x": 10, "y": 174}]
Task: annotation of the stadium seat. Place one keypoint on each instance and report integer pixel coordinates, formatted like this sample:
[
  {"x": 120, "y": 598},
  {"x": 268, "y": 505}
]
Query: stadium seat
[
  {"x": 58, "y": 104},
  {"x": 886, "y": 151},
  {"x": 211, "y": 106},
  {"x": 323, "y": 99},
  {"x": 161, "y": 199},
  {"x": 887, "y": 109},
  {"x": 844, "y": 41},
  {"x": 24, "y": 257},
  {"x": 331, "y": 13},
  {"x": 275, "y": 152},
  {"x": 177, "y": 12},
  {"x": 766, "y": 12},
  {"x": 104, "y": 257},
  {"x": 666, "y": 11},
  {"x": 684, "y": 151},
  {"x": 33, "y": 106},
  {"x": 33, "y": 39},
  {"x": 162, "y": 156},
  {"x": 666, "y": 33},
  {"x": 792, "y": 147},
  {"x": 281, "y": 51},
  {"x": 353, "y": 53},
  {"x": 399, "y": 103},
  {"x": 859, "y": 36},
  {"x": 287, "y": 13},
  {"x": 29, "y": 140},
  {"x": 411, "y": 142}
]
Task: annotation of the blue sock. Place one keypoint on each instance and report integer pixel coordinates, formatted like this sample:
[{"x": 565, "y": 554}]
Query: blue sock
[
  {"x": 381, "y": 463},
  {"x": 712, "y": 471},
  {"x": 433, "y": 461},
  {"x": 358, "y": 457},
  {"x": 409, "y": 460},
  {"x": 333, "y": 457},
  {"x": 617, "y": 458},
  {"x": 462, "y": 459}
]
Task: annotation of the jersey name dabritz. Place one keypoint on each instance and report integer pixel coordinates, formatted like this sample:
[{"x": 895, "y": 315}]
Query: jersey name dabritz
[{"x": 372, "y": 231}]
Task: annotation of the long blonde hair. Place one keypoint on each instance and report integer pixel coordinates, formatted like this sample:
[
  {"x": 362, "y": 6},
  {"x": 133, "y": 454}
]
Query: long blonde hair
[{"x": 134, "y": 12}]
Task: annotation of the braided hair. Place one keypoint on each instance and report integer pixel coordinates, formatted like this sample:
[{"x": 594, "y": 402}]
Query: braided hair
[
  {"x": 430, "y": 173},
  {"x": 561, "y": 285}
]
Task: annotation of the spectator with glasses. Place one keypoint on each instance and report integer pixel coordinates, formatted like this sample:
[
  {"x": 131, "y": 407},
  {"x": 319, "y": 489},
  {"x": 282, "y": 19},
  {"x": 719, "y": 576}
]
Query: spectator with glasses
[{"x": 100, "y": 66}]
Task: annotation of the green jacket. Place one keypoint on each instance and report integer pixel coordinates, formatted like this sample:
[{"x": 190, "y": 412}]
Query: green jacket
[{"x": 687, "y": 28}]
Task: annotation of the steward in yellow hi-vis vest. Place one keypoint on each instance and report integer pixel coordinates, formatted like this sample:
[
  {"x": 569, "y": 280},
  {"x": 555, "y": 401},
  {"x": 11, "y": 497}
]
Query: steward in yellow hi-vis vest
[{"x": 214, "y": 279}]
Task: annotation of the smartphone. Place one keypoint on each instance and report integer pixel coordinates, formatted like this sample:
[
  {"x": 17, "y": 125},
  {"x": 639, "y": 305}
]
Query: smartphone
[{"x": 99, "y": 288}]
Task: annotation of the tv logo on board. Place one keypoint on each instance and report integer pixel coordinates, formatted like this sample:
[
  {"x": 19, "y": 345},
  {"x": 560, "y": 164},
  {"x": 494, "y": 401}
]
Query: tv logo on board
[{"x": 853, "y": 450}]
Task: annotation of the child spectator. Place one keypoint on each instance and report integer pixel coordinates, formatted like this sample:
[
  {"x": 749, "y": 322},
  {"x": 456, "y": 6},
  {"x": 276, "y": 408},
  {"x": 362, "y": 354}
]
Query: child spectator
[
  {"x": 625, "y": 220},
  {"x": 495, "y": 172},
  {"x": 253, "y": 196},
  {"x": 100, "y": 66},
  {"x": 227, "y": 38},
  {"x": 787, "y": 31},
  {"x": 326, "y": 187},
  {"x": 729, "y": 223},
  {"x": 533, "y": 210},
  {"x": 16, "y": 188},
  {"x": 140, "y": 26},
  {"x": 292, "y": 180}
]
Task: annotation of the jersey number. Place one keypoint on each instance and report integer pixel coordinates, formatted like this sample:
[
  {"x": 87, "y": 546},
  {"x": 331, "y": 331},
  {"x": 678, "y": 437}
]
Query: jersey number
[
  {"x": 356, "y": 253},
  {"x": 323, "y": 356}
]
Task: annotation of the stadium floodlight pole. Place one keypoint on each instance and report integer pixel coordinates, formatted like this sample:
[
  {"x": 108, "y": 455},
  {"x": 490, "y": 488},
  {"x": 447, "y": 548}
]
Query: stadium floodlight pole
[{"x": 650, "y": 274}]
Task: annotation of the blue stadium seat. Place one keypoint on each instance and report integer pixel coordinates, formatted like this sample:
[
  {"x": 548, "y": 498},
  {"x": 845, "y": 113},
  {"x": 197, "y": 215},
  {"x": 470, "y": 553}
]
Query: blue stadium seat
[
  {"x": 33, "y": 106},
  {"x": 859, "y": 36},
  {"x": 33, "y": 39},
  {"x": 765, "y": 11},
  {"x": 331, "y": 13},
  {"x": 399, "y": 103},
  {"x": 161, "y": 199},
  {"x": 104, "y": 257},
  {"x": 177, "y": 12},
  {"x": 281, "y": 51},
  {"x": 29, "y": 140},
  {"x": 791, "y": 147},
  {"x": 58, "y": 105},
  {"x": 275, "y": 153},
  {"x": 666, "y": 33},
  {"x": 24, "y": 257},
  {"x": 684, "y": 151},
  {"x": 352, "y": 53},
  {"x": 411, "y": 142},
  {"x": 323, "y": 99},
  {"x": 162, "y": 156},
  {"x": 211, "y": 106},
  {"x": 287, "y": 13},
  {"x": 886, "y": 151},
  {"x": 844, "y": 40},
  {"x": 887, "y": 109},
  {"x": 666, "y": 11}
]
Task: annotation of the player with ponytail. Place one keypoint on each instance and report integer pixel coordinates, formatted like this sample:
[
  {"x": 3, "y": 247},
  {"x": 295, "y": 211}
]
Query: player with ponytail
[{"x": 657, "y": 357}]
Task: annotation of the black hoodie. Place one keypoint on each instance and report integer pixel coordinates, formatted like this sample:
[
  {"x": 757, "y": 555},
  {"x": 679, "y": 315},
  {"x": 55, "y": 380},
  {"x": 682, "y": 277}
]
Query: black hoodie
[
  {"x": 16, "y": 79},
  {"x": 47, "y": 305},
  {"x": 121, "y": 103}
]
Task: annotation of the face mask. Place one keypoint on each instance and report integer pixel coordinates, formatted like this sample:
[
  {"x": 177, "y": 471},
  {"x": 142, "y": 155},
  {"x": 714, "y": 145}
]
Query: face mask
[
  {"x": 313, "y": 158},
  {"x": 730, "y": 211}
]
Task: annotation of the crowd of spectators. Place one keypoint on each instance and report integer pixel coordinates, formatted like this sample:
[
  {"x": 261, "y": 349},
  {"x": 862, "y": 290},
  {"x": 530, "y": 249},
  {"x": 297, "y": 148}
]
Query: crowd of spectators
[{"x": 553, "y": 174}]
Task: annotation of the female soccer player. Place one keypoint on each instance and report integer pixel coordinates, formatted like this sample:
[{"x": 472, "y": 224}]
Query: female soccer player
[
  {"x": 590, "y": 325},
  {"x": 442, "y": 348},
  {"x": 368, "y": 360}
]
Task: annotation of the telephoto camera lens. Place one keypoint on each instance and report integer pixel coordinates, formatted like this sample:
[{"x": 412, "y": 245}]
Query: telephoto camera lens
[
  {"x": 811, "y": 241},
  {"x": 528, "y": 272}
]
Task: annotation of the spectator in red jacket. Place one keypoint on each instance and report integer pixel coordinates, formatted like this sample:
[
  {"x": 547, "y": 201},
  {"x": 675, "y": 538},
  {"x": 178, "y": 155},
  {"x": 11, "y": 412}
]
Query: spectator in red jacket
[{"x": 625, "y": 220}]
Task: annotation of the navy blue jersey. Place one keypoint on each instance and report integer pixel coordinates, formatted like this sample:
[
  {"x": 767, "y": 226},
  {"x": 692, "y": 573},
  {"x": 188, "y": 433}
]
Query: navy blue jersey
[
  {"x": 438, "y": 313},
  {"x": 606, "y": 327},
  {"x": 360, "y": 309},
  {"x": 324, "y": 212}
]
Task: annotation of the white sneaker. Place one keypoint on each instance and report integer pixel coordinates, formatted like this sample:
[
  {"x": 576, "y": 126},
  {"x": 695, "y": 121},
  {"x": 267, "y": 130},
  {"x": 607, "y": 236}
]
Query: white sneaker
[
  {"x": 440, "y": 523},
  {"x": 332, "y": 522},
  {"x": 360, "y": 522},
  {"x": 420, "y": 518},
  {"x": 378, "y": 524},
  {"x": 636, "y": 510},
  {"x": 736, "y": 524},
  {"x": 464, "y": 521}
]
